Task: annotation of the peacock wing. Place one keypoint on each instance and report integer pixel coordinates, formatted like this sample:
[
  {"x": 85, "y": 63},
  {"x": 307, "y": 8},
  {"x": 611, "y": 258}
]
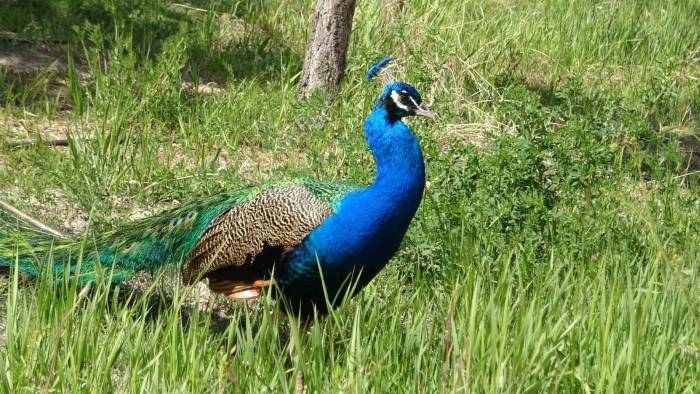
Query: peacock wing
[
  {"x": 241, "y": 247},
  {"x": 165, "y": 239}
]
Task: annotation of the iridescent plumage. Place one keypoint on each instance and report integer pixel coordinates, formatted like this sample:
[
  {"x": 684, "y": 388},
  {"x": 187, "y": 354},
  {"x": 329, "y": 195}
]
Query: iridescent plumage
[
  {"x": 316, "y": 238},
  {"x": 168, "y": 238}
]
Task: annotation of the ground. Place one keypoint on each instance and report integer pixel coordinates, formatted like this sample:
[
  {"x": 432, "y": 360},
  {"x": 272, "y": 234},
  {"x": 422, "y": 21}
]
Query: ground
[{"x": 556, "y": 248}]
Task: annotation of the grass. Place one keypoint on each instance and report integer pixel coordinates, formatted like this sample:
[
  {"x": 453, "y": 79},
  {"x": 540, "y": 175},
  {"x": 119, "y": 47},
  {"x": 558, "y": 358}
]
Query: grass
[{"x": 556, "y": 248}]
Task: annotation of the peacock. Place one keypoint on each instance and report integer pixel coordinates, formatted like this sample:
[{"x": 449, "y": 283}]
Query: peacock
[{"x": 312, "y": 241}]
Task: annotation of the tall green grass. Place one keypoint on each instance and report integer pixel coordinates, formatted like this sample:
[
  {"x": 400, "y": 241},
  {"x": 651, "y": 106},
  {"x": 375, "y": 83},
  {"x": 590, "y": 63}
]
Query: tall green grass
[{"x": 556, "y": 248}]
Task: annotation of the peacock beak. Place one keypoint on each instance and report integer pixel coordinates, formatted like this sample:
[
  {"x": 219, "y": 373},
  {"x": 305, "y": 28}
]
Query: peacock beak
[{"x": 422, "y": 111}]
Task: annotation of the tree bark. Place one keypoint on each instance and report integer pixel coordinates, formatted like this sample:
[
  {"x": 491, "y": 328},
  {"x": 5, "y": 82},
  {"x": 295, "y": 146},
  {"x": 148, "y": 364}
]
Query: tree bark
[{"x": 324, "y": 63}]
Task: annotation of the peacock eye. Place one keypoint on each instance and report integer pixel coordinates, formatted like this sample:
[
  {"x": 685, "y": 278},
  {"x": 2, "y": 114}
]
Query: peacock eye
[
  {"x": 404, "y": 97},
  {"x": 175, "y": 222}
]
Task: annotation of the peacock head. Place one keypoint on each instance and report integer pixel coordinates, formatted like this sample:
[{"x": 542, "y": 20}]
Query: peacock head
[{"x": 399, "y": 99}]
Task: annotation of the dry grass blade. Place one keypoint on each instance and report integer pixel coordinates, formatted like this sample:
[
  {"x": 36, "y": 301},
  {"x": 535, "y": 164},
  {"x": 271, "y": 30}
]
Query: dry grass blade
[{"x": 31, "y": 220}]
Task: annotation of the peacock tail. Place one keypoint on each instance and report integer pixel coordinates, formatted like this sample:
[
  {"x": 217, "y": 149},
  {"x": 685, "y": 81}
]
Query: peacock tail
[{"x": 180, "y": 238}]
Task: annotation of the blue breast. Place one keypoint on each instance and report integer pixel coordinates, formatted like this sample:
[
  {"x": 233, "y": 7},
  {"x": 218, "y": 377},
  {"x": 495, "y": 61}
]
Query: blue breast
[{"x": 356, "y": 242}]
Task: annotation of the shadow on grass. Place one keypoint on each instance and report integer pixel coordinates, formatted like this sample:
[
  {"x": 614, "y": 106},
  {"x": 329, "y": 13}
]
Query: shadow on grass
[
  {"x": 158, "y": 304},
  {"x": 221, "y": 43}
]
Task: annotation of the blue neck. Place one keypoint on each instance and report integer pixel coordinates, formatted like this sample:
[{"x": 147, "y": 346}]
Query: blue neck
[
  {"x": 400, "y": 176},
  {"x": 369, "y": 224}
]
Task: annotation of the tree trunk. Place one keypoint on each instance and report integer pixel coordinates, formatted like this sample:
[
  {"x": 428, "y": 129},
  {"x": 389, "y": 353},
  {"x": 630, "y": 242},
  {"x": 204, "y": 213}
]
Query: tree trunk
[{"x": 324, "y": 63}]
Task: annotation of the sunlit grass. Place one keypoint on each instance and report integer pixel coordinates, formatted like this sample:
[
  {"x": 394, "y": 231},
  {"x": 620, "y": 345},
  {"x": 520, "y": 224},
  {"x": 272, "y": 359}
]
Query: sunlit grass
[{"x": 556, "y": 248}]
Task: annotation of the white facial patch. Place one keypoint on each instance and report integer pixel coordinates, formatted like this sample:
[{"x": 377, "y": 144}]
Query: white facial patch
[
  {"x": 397, "y": 100},
  {"x": 415, "y": 104}
]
